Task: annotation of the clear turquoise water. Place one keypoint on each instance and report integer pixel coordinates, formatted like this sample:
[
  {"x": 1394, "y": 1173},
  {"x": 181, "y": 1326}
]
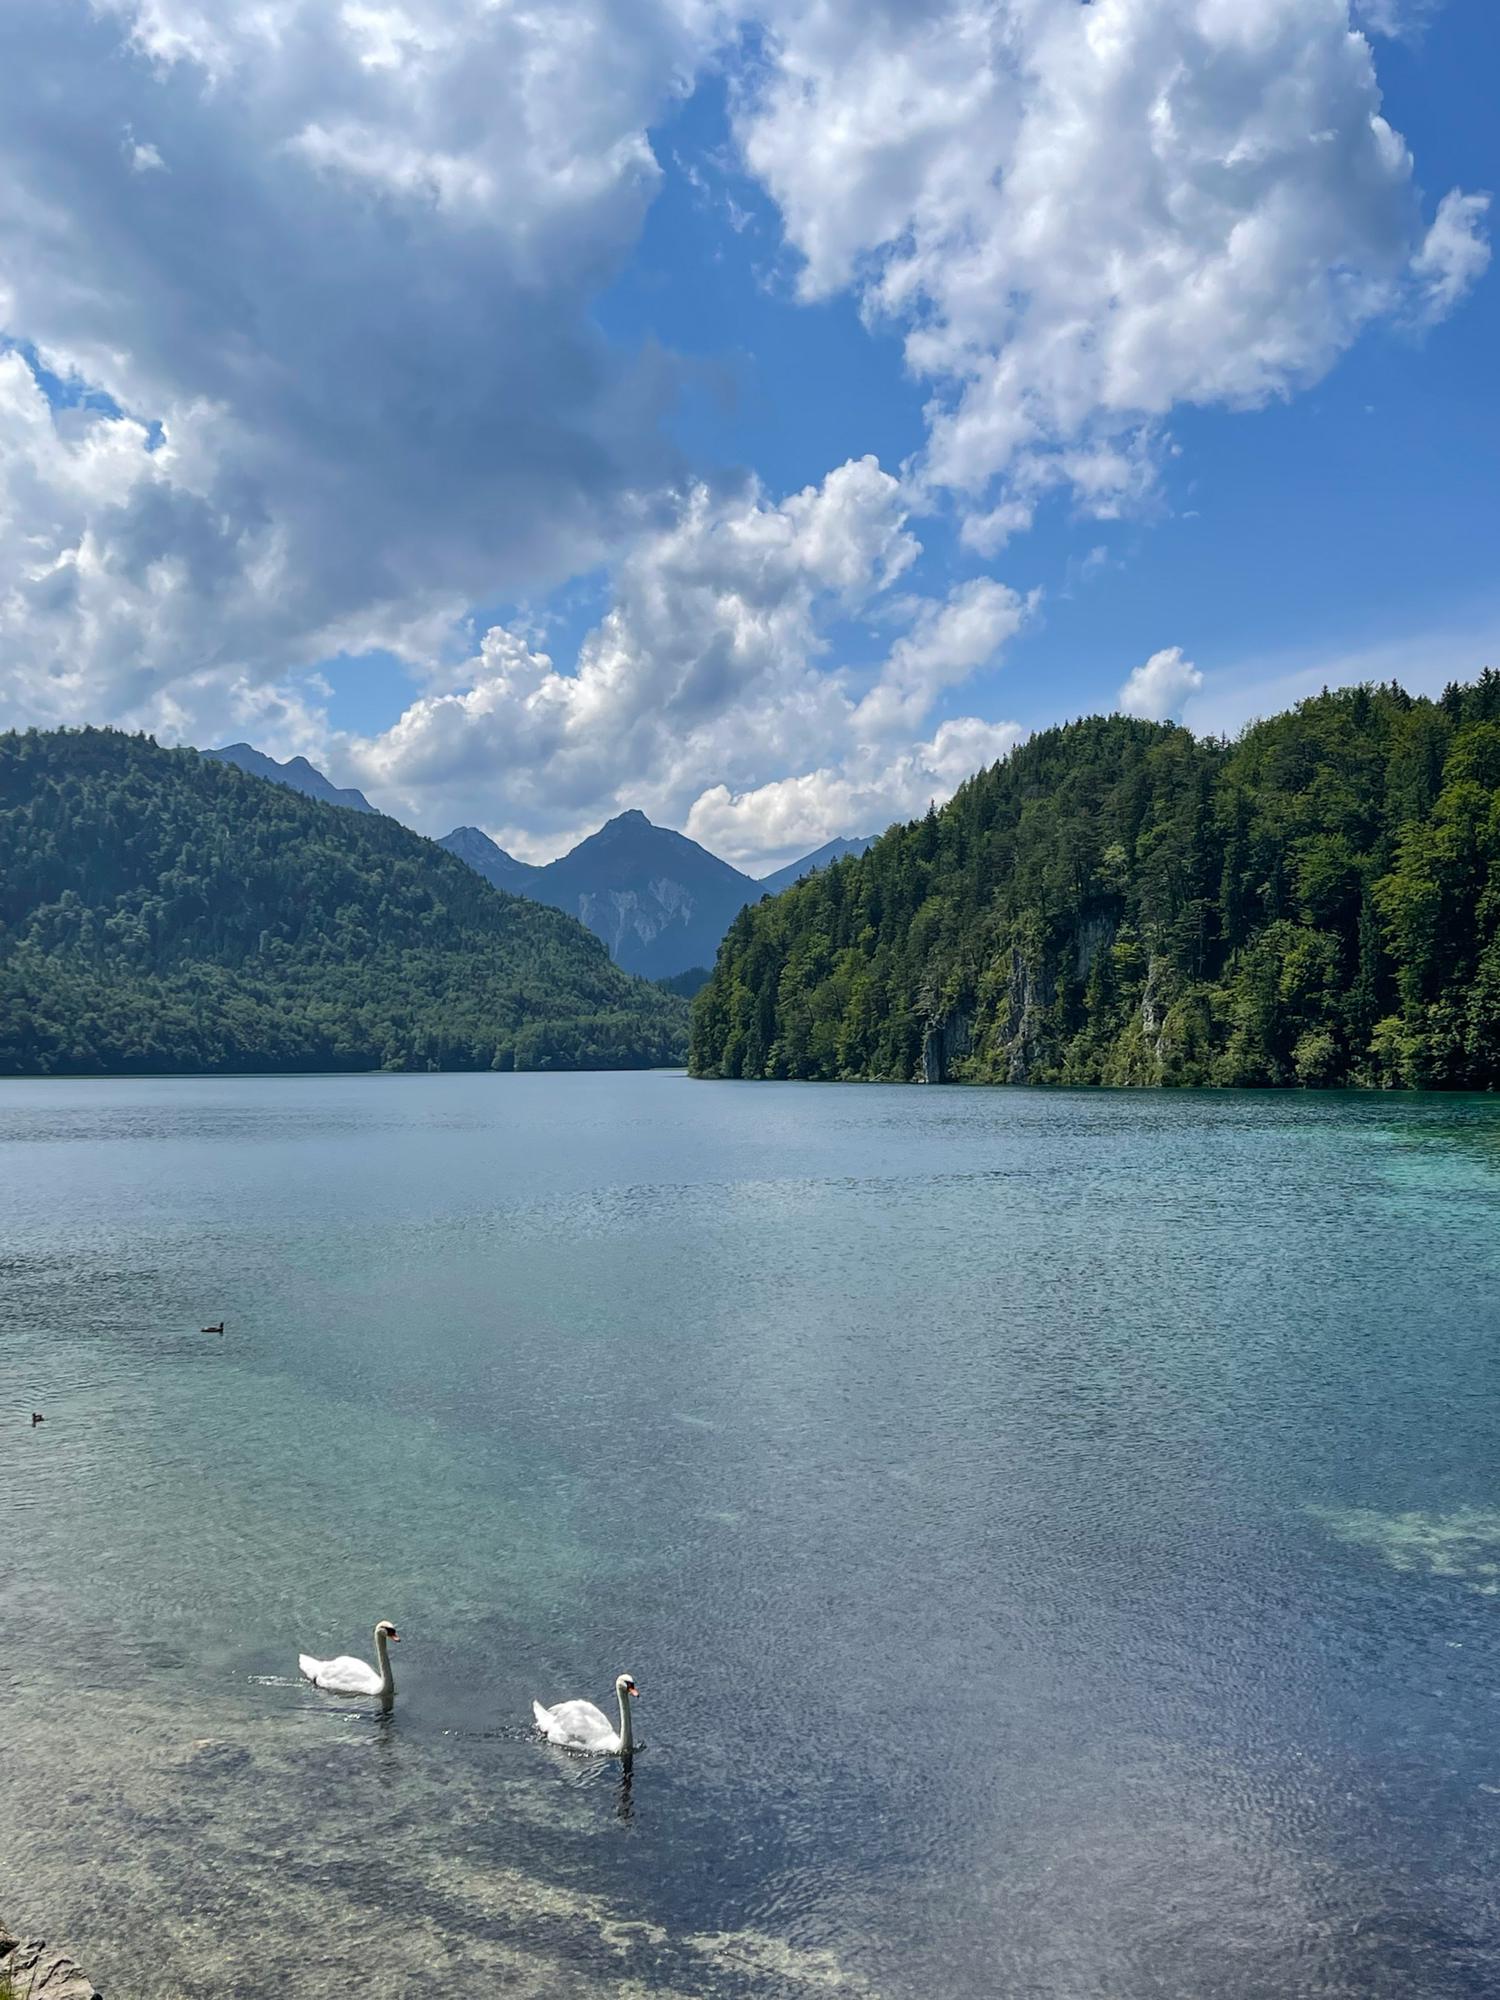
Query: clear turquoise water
[{"x": 1057, "y": 1536}]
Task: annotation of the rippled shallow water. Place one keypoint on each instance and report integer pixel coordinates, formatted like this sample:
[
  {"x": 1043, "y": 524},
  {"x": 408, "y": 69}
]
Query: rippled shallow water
[{"x": 1057, "y": 1536}]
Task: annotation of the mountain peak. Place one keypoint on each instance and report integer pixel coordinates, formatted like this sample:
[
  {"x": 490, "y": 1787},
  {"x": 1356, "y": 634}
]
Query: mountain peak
[
  {"x": 296, "y": 773},
  {"x": 831, "y": 851},
  {"x": 473, "y": 845},
  {"x": 659, "y": 900}
]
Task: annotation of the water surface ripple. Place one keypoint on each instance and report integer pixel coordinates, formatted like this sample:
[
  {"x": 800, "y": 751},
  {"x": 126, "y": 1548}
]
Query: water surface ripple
[{"x": 1057, "y": 1536}]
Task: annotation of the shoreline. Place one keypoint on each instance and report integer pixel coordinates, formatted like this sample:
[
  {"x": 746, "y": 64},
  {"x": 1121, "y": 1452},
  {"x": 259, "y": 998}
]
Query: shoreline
[{"x": 31, "y": 1968}]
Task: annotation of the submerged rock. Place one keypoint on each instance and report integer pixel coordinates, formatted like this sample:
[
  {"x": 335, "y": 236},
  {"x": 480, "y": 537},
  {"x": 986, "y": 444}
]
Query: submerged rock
[
  {"x": 211, "y": 1757},
  {"x": 33, "y": 1969}
]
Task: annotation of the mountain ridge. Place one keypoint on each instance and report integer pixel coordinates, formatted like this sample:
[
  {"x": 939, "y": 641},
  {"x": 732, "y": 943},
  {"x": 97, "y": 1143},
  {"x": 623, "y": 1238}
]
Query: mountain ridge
[
  {"x": 161, "y": 911},
  {"x": 821, "y": 857},
  {"x": 660, "y": 899},
  {"x": 296, "y": 773},
  {"x": 486, "y": 857}
]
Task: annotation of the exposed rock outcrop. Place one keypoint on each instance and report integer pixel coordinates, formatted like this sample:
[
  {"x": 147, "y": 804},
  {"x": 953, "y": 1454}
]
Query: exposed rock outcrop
[
  {"x": 942, "y": 1043},
  {"x": 33, "y": 1969},
  {"x": 1154, "y": 1003},
  {"x": 1031, "y": 991},
  {"x": 1091, "y": 935}
]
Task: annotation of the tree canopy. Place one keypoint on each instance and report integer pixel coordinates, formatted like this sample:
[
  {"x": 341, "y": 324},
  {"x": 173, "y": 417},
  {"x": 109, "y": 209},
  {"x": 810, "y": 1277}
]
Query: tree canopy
[
  {"x": 1119, "y": 902},
  {"x": 163, "y": 912}
]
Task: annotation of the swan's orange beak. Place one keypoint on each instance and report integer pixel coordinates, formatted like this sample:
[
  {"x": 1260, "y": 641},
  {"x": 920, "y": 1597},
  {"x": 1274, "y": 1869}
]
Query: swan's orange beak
[
  {"x": 395, "y": 1638},
  {"x": 634, "y": 1690}
]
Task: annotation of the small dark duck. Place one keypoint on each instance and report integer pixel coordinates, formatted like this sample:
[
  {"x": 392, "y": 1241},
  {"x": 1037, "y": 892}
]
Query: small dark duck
[{"x": 213, "y": 1329}]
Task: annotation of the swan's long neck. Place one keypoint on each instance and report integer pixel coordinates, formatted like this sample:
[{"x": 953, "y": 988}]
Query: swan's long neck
[
  {"x": 627, "y": 1735},
  {"x": 387, "y": 1677}
]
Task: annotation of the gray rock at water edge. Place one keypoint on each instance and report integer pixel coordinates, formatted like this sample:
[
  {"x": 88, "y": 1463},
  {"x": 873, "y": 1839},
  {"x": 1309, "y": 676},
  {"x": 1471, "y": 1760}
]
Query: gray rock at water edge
[{"x": 32, "y": 1969}]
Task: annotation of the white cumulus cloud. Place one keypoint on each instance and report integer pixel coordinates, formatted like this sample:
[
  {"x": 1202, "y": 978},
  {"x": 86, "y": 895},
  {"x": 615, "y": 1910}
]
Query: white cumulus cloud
[
  {"x": 710, "y": 677},
  {"x": 1158, "y": 689},
  {"x": 300, "y": 356},
  {"x": 1454, "y": 255},
  {"x": 863, "y": 795},
  {"x": 1083, "y": 217},
  {"x": 330, "y": 325}
]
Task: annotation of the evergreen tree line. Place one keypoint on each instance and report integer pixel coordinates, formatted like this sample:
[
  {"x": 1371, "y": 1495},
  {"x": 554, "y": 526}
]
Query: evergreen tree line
[
  {"x": 163, "y": 912},
  {"x": 1118, "y": 902}
]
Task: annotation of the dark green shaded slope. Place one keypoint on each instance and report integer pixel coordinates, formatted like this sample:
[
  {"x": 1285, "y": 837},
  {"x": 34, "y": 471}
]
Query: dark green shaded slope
[
  {"x": 1120, "y": 903},
  {"x": 163, "y": 912}
]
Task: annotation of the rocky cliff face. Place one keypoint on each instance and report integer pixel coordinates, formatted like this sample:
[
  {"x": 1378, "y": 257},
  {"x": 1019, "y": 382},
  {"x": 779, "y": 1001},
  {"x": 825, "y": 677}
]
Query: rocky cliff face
[
  {"x": 1031, "y": 991},
  {"x": 943, "y": 1043},
  {"x": 631, "y": 920},
  {"x": 1012, "y": 1040},
  {"x": 1091, "y": 936},
  {"x": 33, "y": 1969}
]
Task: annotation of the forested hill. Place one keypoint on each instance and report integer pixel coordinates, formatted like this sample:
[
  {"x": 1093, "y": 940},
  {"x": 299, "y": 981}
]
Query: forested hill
[
  {"x": 163, "y": 912},
  {"x": 1317, "y": 903}
]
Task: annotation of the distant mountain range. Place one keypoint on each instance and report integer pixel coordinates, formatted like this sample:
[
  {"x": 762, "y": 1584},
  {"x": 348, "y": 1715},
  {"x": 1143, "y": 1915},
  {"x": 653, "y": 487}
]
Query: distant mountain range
[
  {"x": 660, "y": 901},
  {"x": 833, "y": 850},
  {"x": 491, "y": 861},
  {"x": 298, "y": 773},
  {"x": 244, "y": 927}
]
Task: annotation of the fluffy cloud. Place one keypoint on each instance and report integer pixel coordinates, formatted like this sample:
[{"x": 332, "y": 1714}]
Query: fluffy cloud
[
  {"x": 1158, "y": 689},
  {"x": 714, "y": 658},
  {"x": 1453, "y": 257},
  {"x": 1084, "y": 216},
  {"x": 298, "y": 358},
  {"x": 117, "y": 565},
  {"x": 788, "y": 816},
  {"x": 946, "y": 644},
  {"x": 311, "y": 285}
]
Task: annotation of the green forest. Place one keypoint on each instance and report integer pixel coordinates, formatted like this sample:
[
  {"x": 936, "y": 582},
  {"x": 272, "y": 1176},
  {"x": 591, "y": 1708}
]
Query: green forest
[
  {"x": 163, "y": 912},
  {"x": 1119, "y": 902}
]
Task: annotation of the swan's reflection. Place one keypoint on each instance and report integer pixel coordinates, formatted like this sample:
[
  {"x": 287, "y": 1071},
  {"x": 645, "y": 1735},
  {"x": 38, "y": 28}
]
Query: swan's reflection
[
  {"x": 382, "y": 1723},
  {"x": 624, "y": 1809}
]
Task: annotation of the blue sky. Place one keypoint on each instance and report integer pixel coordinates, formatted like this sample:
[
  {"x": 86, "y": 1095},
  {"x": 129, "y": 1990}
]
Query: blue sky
[{"x": 759, "y": 415}]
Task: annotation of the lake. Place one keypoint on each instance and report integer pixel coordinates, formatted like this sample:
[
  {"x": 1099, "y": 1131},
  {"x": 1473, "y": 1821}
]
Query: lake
[{"x": 1056, "y": 1534}]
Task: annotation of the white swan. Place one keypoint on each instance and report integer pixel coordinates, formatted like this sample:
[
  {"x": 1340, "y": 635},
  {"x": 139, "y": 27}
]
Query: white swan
[
  {"x": 346, "y": 1675},
  {"x": 578, "y": 1725}
]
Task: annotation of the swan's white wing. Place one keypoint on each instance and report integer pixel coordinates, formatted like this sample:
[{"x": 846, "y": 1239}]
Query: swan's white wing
[
  {"x": 578, "y": 1723},
  {"x": 345, "y": 1675}
]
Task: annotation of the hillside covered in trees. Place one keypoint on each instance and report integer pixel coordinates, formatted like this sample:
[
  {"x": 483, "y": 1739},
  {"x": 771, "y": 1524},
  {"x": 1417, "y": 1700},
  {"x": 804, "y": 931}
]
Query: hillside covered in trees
[
  {"x": 1118, "y": 902},
  {"x": 163, "y": 912}
]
